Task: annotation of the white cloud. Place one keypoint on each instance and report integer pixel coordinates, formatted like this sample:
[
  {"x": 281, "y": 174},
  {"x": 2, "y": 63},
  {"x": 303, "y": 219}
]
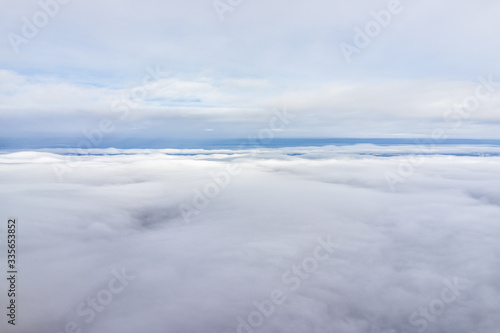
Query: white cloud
[
  {"x": 280, "y": 54},
  {"x": 166, "y": 104},
  {"x": 392, "y": 252}
]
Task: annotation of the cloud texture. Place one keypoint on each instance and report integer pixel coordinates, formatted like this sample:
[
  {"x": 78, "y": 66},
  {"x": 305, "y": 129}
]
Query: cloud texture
[{"x": 429, "y": 245}]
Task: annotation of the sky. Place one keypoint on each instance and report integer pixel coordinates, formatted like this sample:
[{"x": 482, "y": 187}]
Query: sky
[
  {"x": 213, "y": 69},
  {"x": 359, "y": 238},
  {"x": 199, "y": 248}
]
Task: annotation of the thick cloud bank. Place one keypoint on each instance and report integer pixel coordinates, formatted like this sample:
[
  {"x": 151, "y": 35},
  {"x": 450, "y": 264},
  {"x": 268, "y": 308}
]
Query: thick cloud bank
[{"x": 284, "y": 240}]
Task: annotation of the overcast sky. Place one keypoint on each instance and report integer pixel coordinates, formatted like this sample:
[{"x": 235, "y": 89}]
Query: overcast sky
[{"x": 189, "y": 69}]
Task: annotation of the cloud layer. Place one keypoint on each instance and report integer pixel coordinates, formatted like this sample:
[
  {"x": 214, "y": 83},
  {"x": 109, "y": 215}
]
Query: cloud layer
[
  {"x": 226, "y": 75},
  {"x": 429, "y": 244}
]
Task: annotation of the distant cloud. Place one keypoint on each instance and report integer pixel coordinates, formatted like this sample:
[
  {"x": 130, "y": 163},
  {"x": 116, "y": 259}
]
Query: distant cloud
[{"x": 227, "y": 75}]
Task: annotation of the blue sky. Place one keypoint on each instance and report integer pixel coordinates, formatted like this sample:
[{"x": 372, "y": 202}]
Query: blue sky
[{"x": 229, "y": 75}]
